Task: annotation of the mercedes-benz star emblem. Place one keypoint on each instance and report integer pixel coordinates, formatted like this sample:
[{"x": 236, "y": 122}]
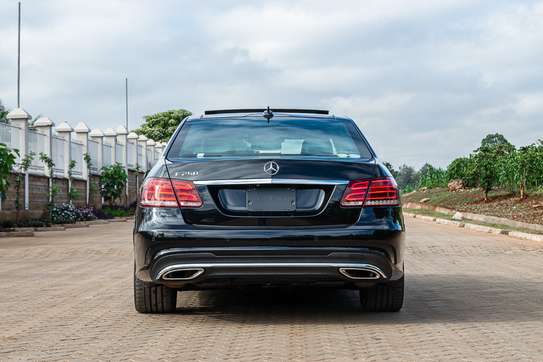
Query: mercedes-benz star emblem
[{"x": 271, "y": 168}]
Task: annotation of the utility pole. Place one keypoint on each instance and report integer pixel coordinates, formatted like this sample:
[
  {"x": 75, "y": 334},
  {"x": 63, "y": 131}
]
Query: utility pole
[
  {"x": 126, "y": 145},
  {"x": 126, "y": 101},
  {"x": 19, "y": 60}
]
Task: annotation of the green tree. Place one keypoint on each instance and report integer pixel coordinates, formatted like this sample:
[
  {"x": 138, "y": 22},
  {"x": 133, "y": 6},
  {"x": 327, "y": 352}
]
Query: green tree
[
  {"x": 497, "y": 141},
  {"x": 24, "y": 165},
  {"x": 160, "y": 126},
  {"x": 407, "y": 178},
  {"x": 490, "y": 160},
  {"x": 462, "y": 169},
  {"x": 72, "y": 193},
  {"x": 523, "y": 169},
  {"x": 112, "y": 181},
  {"x": 431, "y": 177},
  {"x": 7, "y": 161},
  {"x": 50, "y": 166},
  {"x": 88, "y": 161}
]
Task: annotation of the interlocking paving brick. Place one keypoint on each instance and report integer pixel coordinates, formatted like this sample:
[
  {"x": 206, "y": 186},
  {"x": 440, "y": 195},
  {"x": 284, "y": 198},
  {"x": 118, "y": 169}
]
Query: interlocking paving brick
[{"x": 470, "y": 296}]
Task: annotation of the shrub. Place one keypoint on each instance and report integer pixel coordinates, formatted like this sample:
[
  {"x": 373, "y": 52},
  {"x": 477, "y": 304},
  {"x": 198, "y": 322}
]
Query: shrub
[
  {"x": 112, "y": 182},
  {"x": 431, "y": 177},
  {"x": 85, "y": 214},
  {"x": 64, "y": 214},
  {"x": 33, "y": 223},
  {"x": 102, "y": 214},
  {"x": 6, "y": 224},
  {"x": 407, "y": 178},
  {"x": 24, "y": 165},
  {"x": 118, "y": 211},
  {"x": 7, "y": 161},
  {"x": 522, "y": 169},
  {"x": 462, "y": 169}
]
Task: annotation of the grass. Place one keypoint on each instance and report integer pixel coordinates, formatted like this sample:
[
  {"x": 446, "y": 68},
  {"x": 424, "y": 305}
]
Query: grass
[
  {"x": 501, "y": 203},
  {"x": 118, "y": 212},
  {"x": 441, "y": 215}
]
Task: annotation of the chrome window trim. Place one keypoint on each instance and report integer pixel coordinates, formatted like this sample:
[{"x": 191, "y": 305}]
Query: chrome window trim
[{"x": 271, "y": 181}]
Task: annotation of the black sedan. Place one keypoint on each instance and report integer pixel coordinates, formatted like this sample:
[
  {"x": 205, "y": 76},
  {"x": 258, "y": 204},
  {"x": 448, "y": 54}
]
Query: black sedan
[{"x": 268, "y": 197}]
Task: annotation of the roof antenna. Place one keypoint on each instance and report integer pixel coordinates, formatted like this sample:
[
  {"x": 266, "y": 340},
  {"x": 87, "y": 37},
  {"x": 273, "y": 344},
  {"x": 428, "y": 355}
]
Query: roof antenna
[{"x": 268, "y": 114}]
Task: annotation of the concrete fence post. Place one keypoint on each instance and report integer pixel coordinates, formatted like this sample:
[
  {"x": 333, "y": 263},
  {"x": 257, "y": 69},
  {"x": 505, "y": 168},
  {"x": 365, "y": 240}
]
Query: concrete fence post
[
  {"x": 142, "y": 141},
  {"x": 44, "y": 126},
  {"x": 151, "y": 149},
  {"x": 122, "y": 139},
  {"x": 64, "y": 131},
  {"x": 159, "y": 146},
  {"x": 82, "y": 135},
  {"x": 132, "y": 138},
  {"x": 20, "y": 118},
  {"x": 98, "y": 136},
  {"x": 110, "y": 137}
]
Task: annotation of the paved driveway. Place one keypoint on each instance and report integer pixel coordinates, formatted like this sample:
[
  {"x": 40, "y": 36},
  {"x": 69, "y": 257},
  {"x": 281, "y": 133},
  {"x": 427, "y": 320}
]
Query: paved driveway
[{"x": 68, "y": 295}]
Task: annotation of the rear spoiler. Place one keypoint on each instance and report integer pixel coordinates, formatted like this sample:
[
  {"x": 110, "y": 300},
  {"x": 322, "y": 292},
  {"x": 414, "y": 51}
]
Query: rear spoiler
[{"x": 260, "y": 110}]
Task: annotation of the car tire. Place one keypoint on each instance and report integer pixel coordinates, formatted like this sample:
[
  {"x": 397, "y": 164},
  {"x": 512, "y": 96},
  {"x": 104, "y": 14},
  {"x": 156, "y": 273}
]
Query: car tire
[
  {"x": 386, "y": 297},
  {"x": 154, "y": 298}
]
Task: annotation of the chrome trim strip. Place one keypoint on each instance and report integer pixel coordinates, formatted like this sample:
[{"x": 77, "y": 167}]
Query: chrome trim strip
[
  {"x": 269, "y": 181},
  {"x": 369, "y": 268},
  {"x": 229, "y": 248},
  {"x": 173, "y": 268},
  {"x": 339, "y": 266}
]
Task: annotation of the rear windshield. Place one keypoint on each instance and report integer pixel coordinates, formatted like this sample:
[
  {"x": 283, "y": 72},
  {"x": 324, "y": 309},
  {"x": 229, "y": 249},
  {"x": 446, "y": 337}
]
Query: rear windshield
[{"x": 253, "y": 138}]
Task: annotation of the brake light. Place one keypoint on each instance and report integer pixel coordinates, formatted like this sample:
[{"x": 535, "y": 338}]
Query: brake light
[
  {"x": 373, "y": 192},
  {"x": 162, "y": 192},
  {"x": 355, "y": 194}
]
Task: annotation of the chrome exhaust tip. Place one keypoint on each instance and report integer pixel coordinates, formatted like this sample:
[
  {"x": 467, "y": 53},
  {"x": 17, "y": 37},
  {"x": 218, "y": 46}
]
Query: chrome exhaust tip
[
  {"x": 366, "y": 273},
  {"x": 181, "y": 274}
]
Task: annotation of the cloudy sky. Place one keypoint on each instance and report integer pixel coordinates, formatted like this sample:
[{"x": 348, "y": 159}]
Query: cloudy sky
[{"x": 425, "y": 80}]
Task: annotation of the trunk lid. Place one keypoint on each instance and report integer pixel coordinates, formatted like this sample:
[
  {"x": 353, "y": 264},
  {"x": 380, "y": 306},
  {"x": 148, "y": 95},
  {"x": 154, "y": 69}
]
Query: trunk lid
[{"x": 302, "y": 192}]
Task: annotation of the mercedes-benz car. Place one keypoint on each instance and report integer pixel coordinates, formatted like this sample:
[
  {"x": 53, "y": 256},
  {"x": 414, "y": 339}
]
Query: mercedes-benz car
[{"x": 268, "y": 198}]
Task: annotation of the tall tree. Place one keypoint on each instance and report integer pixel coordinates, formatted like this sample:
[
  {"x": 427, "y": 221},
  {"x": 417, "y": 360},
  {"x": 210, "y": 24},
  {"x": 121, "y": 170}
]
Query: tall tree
[
  {"x": 496, "y": 142},
  {"x": 407, "y": 178},
  {"x": 160, "y": 126},
  {"x": 489, "y": 160}
]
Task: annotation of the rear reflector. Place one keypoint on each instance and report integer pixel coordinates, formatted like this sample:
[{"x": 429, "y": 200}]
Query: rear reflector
[
  {"x": 373, "y": 192},
  {"x": 162, "y": 192}
]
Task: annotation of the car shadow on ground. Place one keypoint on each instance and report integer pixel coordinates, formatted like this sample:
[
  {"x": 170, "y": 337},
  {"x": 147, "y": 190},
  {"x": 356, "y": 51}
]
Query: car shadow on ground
[{"x": 429, "y": 299}]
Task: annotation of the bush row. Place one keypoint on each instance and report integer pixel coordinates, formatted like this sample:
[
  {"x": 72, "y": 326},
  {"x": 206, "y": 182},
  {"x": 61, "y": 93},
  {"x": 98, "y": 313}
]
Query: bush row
[
  {"x": 67, "y": 213},
  {"x": 495, "y": 164}
]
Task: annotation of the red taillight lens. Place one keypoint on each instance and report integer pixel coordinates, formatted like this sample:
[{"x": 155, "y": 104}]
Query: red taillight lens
[
  {"x": 161, "y": 192},
  {"x": 383, "y": 192},
  {"x": 374, "y": 192},
  {"x": 355, "y": 194},
  {"x": 186, "y": 193}
]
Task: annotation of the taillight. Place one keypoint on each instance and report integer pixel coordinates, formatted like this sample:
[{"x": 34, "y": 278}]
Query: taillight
[
  {"x": 355, "y": 194},
  {"x": 383, "y": 192},
  {"x": 373, "y": 192},
  {"x": 162, "y": 192}
]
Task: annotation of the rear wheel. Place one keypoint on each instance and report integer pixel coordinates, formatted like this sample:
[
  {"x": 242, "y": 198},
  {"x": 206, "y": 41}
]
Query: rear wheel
[
  {"x": 153, "y": 298},
  {"x": 387, "y": 297}
]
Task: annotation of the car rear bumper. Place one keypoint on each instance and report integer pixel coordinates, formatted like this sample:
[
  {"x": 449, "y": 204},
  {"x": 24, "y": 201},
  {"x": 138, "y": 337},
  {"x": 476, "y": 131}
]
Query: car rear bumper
[{"x": 207, "y": 259}]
